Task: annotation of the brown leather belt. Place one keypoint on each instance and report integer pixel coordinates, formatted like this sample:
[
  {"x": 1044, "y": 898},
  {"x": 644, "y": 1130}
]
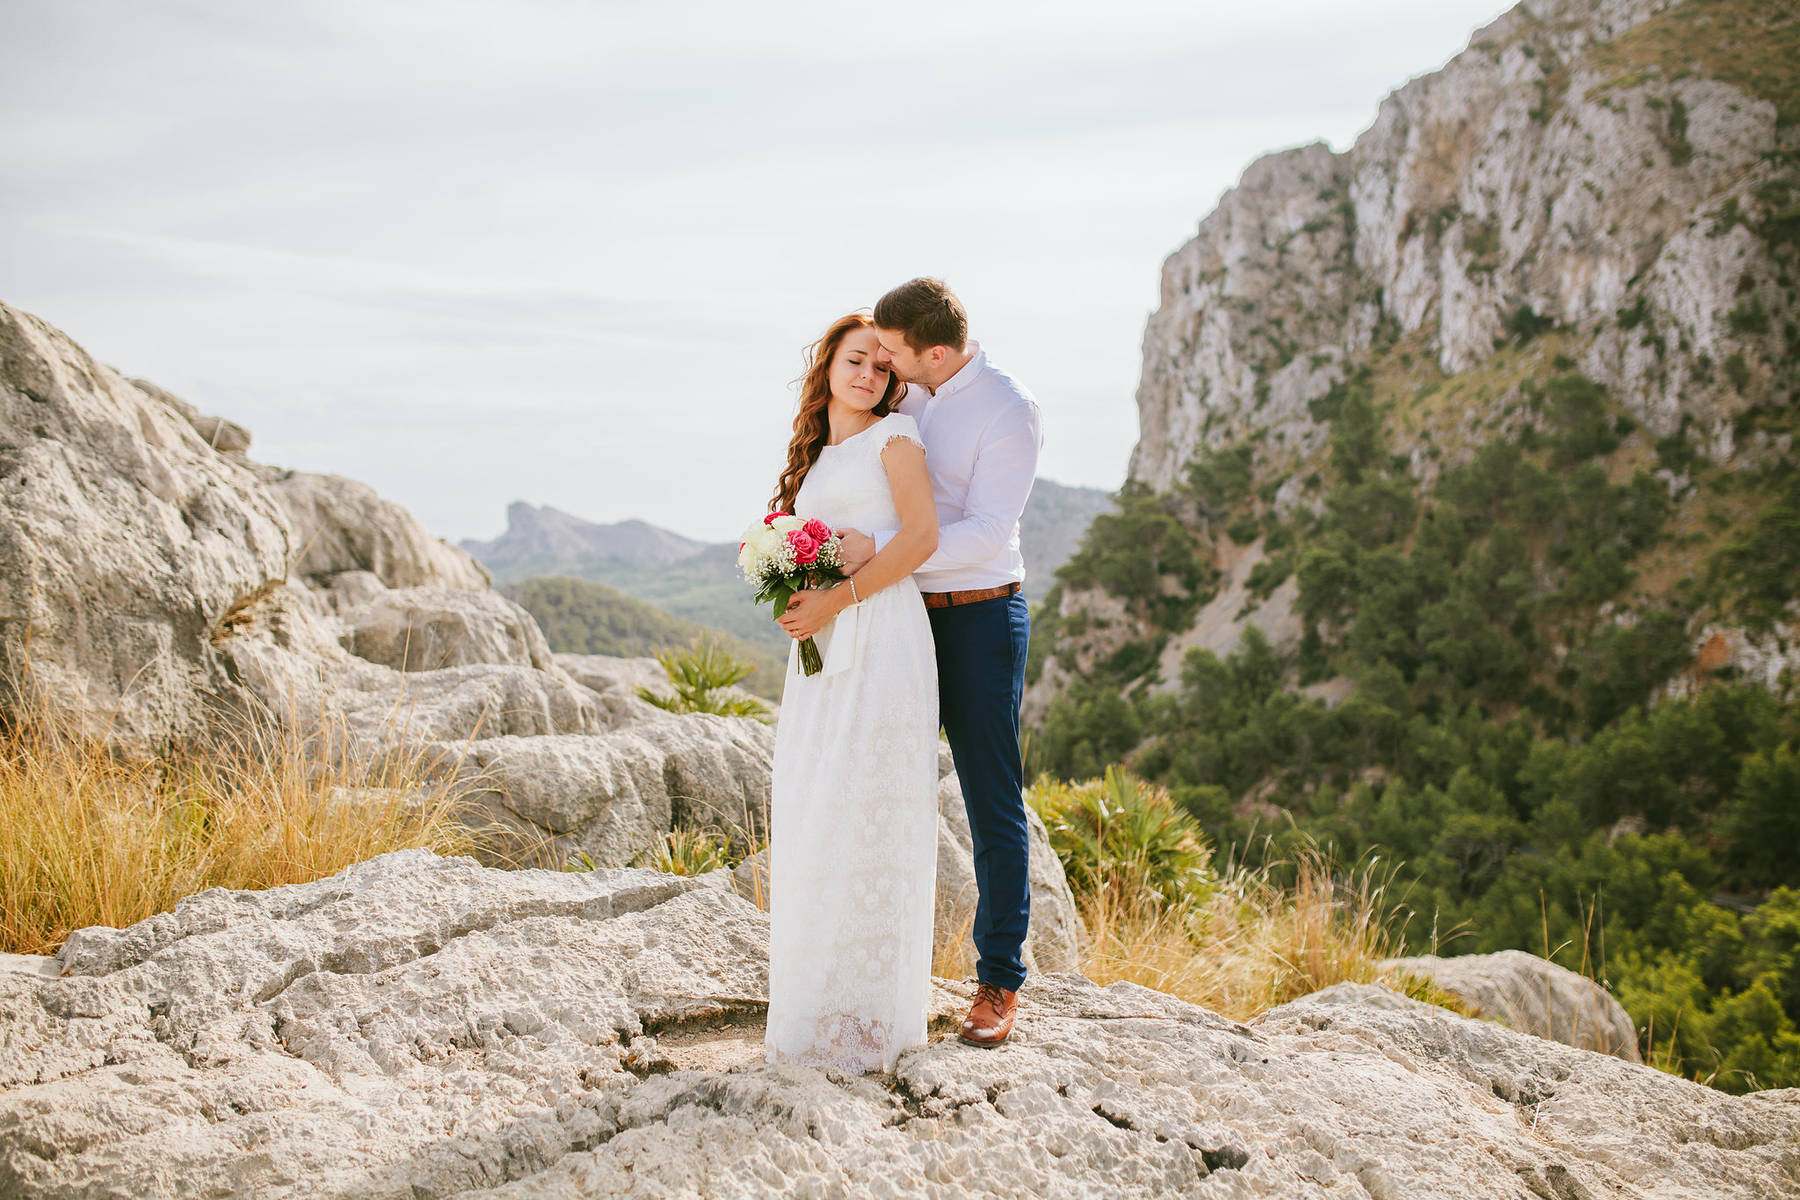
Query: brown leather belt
[{"x": 951, "y": 599}]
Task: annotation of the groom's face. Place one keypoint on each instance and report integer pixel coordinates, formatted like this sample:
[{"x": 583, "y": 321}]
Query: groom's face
[{"x": 907, "y": 364}]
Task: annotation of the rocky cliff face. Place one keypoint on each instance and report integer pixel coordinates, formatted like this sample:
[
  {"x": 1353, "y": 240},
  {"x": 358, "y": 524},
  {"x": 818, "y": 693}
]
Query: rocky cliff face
[
  {"x": 1604, "y": 166},
  {"x": 1607, "y": 189}
]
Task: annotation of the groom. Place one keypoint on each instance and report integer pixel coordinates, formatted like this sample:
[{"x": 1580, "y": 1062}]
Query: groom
[{"x": 982, "y": 436}]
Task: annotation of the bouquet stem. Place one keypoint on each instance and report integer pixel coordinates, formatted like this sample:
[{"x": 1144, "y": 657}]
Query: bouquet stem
[{"x": 810, "y": 662}]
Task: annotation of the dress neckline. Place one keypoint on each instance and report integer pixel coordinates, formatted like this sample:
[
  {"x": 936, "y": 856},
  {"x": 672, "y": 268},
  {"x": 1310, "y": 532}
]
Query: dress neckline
[{"x": 857, "y": 434}]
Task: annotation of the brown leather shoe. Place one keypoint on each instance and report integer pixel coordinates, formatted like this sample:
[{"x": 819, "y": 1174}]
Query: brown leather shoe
[{"x": 990, "y": 1018}]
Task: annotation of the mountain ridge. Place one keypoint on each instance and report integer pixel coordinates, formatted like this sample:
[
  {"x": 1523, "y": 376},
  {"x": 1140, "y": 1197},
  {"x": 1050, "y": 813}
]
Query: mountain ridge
[{"x": 699, "y": 581}]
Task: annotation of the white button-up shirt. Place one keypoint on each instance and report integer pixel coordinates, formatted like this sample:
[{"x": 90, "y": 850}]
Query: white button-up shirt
[{"x": 982, "y": 433}]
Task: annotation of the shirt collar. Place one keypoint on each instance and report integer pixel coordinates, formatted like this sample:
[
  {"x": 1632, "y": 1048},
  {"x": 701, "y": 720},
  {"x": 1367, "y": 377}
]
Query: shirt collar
[{"x": 963, "y": 378}]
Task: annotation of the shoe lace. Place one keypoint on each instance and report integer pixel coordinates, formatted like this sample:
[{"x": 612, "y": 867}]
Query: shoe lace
[{"x": 990, "y": 993}]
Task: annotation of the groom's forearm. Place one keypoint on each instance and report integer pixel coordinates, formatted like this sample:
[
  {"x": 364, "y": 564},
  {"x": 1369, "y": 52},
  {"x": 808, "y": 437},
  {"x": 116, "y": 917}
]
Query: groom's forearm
[{"x": 904, "y": 553}]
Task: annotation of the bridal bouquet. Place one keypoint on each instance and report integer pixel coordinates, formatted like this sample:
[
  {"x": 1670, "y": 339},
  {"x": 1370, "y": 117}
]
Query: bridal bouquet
[{"x": 783, "y": 554}]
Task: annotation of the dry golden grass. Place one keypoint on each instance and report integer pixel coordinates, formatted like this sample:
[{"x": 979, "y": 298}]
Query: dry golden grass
[
  {"x": 1254, "y": 943},
  {"x": 90, "y": 837}
]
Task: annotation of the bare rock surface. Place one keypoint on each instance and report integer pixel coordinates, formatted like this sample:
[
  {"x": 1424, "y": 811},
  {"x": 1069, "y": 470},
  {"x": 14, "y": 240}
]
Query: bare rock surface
[
  {"x": 424, "y": 629},
  {"x": 612, "y": 795},
  {"x": 422, "y": 1027},
  {"x": 225, "y": 436},
  {"x": 1524, "y": 992},
  {"x": 343, "y": 525}
]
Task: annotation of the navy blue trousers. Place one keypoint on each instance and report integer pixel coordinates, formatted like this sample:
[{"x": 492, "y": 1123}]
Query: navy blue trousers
[{"x": 981, "y": 681}]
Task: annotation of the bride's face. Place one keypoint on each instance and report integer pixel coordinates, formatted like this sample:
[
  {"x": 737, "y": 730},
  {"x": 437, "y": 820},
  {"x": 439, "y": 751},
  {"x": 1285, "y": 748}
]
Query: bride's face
[{"x": 857, "y": 380}]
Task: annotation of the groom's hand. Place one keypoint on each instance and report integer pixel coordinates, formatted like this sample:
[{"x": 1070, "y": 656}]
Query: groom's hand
[
  {"x": 811, "y": 610},
  {"x": 855, "y": 548}
]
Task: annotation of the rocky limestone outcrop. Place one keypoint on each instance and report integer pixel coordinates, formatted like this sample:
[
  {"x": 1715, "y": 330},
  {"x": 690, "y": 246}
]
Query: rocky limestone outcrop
[
  {"x": 126, "y": 543},
  {"x": 342, "y": 525},
  {"x": 425, "y": 629},
  {"x": 227, "y": 437},
  {"x": 1527, "y": 993},
  {"x": 159, "y": 587},
  {"x": 612, "y": 795},
  {"x": 421, "y": 1027},
  {"x": 132, "y": 547}
]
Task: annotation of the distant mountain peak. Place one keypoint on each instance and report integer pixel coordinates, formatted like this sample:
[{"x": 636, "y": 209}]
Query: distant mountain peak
[{"x": 541, "y": 540}]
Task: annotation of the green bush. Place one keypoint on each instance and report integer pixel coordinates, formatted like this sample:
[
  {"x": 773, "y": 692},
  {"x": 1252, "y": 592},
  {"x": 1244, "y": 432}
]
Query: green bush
[
  {"x": 1523, "y": 324},
  {"x": 687, "y": 852},
  {"x": 1749, "y": 318},
  {"x": 1762, "y": 822},
  {"x": 1087, "y": 728},
  {"x": 1578, "y": 412}
]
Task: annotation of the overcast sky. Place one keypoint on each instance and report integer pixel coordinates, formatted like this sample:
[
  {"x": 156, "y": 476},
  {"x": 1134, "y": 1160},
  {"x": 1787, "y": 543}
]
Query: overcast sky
[{"x": 569, "y": 252}]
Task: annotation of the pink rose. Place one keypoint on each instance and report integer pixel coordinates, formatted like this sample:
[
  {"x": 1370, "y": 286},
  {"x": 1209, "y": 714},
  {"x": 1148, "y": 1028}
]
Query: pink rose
[
  {"x": 818, "y": 530},
  {"x": 770, "y": 519},
  {"x": 806, "y": 548}
]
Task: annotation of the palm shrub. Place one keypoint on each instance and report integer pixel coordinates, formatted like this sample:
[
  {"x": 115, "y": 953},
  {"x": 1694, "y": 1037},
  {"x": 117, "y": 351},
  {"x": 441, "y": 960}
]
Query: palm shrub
[
  {"x": 1126, "y": 839},
  {"x": 684, "y": 851},
  {"x": 701, "y": 675}
]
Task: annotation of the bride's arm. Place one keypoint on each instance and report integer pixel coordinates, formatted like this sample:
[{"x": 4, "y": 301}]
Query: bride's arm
[
  {"x": 809, "y": 611},
  {"x": 918, "y": 536}
]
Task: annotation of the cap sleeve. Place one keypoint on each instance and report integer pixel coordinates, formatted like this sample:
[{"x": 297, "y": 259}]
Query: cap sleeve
[{"x": 898, "y": 426}]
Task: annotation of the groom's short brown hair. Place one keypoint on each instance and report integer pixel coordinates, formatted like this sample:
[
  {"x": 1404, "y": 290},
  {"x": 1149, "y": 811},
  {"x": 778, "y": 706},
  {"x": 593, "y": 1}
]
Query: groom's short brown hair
[{"x": 926, "y": 312}]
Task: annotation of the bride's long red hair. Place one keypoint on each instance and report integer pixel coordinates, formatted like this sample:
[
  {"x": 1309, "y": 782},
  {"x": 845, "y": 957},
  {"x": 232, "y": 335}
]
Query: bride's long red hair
[{"x": 812, "y": 425}]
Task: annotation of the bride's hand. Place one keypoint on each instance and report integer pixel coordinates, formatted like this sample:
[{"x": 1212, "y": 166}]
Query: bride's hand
[{"x": 811, "y": 610}]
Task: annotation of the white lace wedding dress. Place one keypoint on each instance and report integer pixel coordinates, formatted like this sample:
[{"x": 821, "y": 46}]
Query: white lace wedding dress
[{"x": 853, "y": 858}]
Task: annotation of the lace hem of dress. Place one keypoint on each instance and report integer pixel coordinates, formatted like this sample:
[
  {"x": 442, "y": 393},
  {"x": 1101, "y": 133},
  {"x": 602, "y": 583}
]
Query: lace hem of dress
[{"x": 844, "y": 1043}]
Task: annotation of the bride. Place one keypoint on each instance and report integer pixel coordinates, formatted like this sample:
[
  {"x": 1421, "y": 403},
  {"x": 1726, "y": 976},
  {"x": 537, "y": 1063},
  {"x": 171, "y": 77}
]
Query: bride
[{"x": 854, "y": 808}]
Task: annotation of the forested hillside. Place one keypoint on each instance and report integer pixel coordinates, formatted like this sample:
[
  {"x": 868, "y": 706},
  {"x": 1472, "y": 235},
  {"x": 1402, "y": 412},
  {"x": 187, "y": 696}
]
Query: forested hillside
[{"x": 1487, "y": 560}]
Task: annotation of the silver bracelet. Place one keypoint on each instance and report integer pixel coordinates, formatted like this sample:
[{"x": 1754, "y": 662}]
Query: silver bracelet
[{"x": 853, "y": 596}]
